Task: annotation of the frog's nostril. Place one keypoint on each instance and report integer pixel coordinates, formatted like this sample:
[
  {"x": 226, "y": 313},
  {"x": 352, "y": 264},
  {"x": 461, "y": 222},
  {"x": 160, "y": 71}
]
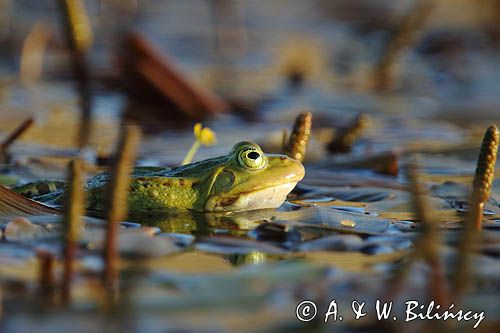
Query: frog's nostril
[{"x": 253, "y": 155}]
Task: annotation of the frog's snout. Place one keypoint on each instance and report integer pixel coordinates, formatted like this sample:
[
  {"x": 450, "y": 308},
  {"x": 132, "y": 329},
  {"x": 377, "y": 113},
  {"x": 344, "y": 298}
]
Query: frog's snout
[
  {"x": 266, "y": 189},
  {"x": 296, "y": 169}
]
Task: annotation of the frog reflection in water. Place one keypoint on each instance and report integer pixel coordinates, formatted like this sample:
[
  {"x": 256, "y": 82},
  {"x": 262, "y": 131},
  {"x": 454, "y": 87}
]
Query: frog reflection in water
[{"x": 245, "y": 179}]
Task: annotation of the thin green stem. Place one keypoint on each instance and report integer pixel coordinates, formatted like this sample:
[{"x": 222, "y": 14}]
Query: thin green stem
[{"x": 190, "y": 154}]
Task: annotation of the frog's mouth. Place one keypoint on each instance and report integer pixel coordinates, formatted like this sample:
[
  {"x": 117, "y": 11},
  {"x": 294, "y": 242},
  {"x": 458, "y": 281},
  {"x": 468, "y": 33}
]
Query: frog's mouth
[{"x": 268, "y": 197}]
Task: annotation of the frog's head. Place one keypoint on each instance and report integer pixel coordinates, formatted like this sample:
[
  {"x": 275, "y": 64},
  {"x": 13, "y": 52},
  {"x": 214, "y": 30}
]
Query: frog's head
[{"x": 250, "y": 179}]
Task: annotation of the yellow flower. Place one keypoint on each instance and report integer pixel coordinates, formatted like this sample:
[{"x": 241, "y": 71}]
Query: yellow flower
[{"x": 204, "y": 134}]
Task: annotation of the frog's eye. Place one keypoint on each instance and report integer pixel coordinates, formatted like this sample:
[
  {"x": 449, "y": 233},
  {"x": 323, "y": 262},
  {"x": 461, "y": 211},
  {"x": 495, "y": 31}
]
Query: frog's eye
[{"x": 251, "y": 158}]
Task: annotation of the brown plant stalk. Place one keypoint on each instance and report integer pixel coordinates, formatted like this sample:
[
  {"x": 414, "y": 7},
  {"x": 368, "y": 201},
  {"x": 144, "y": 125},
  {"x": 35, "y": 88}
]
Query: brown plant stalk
[
  {"x": 117, "y": 200},
  {"x": 74, "y": 210},
  {"x": 14, "y": 135},
  {"x": 346, "y": 138},
  {"x": 426, "y": 247},
  {"x": 403, "y": 38},
  {"x": 46, "y": 274},
  {"x": 428, "y": 243},
  {"x": 78, "y": 34}
]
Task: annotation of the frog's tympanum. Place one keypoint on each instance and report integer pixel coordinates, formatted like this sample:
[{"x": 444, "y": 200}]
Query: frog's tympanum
[{"x": 245, "y": 179}]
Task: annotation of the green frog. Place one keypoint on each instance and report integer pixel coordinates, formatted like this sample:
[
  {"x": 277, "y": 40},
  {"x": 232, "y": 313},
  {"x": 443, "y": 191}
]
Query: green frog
[{"x": 244, "y": 179}]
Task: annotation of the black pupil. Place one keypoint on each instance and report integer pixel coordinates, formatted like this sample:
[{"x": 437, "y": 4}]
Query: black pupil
[{"x": 253, "y": 155}]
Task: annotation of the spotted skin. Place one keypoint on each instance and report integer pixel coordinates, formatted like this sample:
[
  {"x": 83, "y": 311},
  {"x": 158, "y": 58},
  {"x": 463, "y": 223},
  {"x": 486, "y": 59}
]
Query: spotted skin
[{"x": 39, "y": 188}]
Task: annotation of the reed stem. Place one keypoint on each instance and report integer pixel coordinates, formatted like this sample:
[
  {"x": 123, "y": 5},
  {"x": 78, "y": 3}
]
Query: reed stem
[
  {"x": 72, "y": 223},
  {"x": 117, "y": 201}
]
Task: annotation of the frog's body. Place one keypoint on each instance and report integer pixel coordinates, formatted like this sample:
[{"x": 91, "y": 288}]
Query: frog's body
[{"x": 245, "y": 179}]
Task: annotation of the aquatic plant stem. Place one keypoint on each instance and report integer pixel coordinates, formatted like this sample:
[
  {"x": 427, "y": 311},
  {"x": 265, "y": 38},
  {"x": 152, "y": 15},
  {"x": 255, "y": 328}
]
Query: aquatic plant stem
[
  {"x": 465, "y": 247},
  {"x": 32, "y": 55},
  {"x": 14, "y": 135},
  {"x": 117, "y": 201},
  {"x": 428, "y": 243},
  {"x": 72, "y": 221},
  {"x": 343, "y": 142},
  {"x": 485, "y": 171},
  {"x": 284, "y": 139},
  {"x": 405, "y": 36},
  {"x": 426, "y": 247},
  {"x": 46, "y": 275},
  {"x": 481, "y": 188},
  {"x": 191, "y": 153},
  {"x": 79, "y": 38}
]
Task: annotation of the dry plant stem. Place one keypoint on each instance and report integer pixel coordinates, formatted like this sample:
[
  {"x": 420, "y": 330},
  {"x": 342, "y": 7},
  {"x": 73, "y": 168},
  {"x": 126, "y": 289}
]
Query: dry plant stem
[
  {"x": 83, "y": 86},
  {"x": 78, "y": 35},
  {"x": 422, "y": 208},
  {"x": 403, "y": 38},
  {"x": 428, "y": 243},
  {"x": 299, "y": 139},
  {"x": 20, "y": 130},
  {"x": 46, "y": 274},
  {"x": 34, "y": 47},
  {"x": 396, "y": 281},
  {"x": 495, "y": 24},
  {"x": 344, "y": 141},
  {"x": 117, "y": 201},
  {"x": 438, "y": 286},
  {"x": 72, "y": 221},
  {"x": 230, "y": 34},
  {"x": 284, "y": 139},
  {"x": 426, "y": 246},
  {"x": 76, "y": 24},
  {"x": 465, "y": 248}
]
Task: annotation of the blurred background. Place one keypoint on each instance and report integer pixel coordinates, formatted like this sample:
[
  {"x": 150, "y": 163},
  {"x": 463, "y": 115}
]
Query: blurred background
[{"x": 253, "y": 61}]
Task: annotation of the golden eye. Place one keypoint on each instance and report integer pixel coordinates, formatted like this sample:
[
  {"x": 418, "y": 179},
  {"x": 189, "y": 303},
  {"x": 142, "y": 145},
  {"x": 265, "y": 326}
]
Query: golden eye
[{"x": 251, "y": 158}]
